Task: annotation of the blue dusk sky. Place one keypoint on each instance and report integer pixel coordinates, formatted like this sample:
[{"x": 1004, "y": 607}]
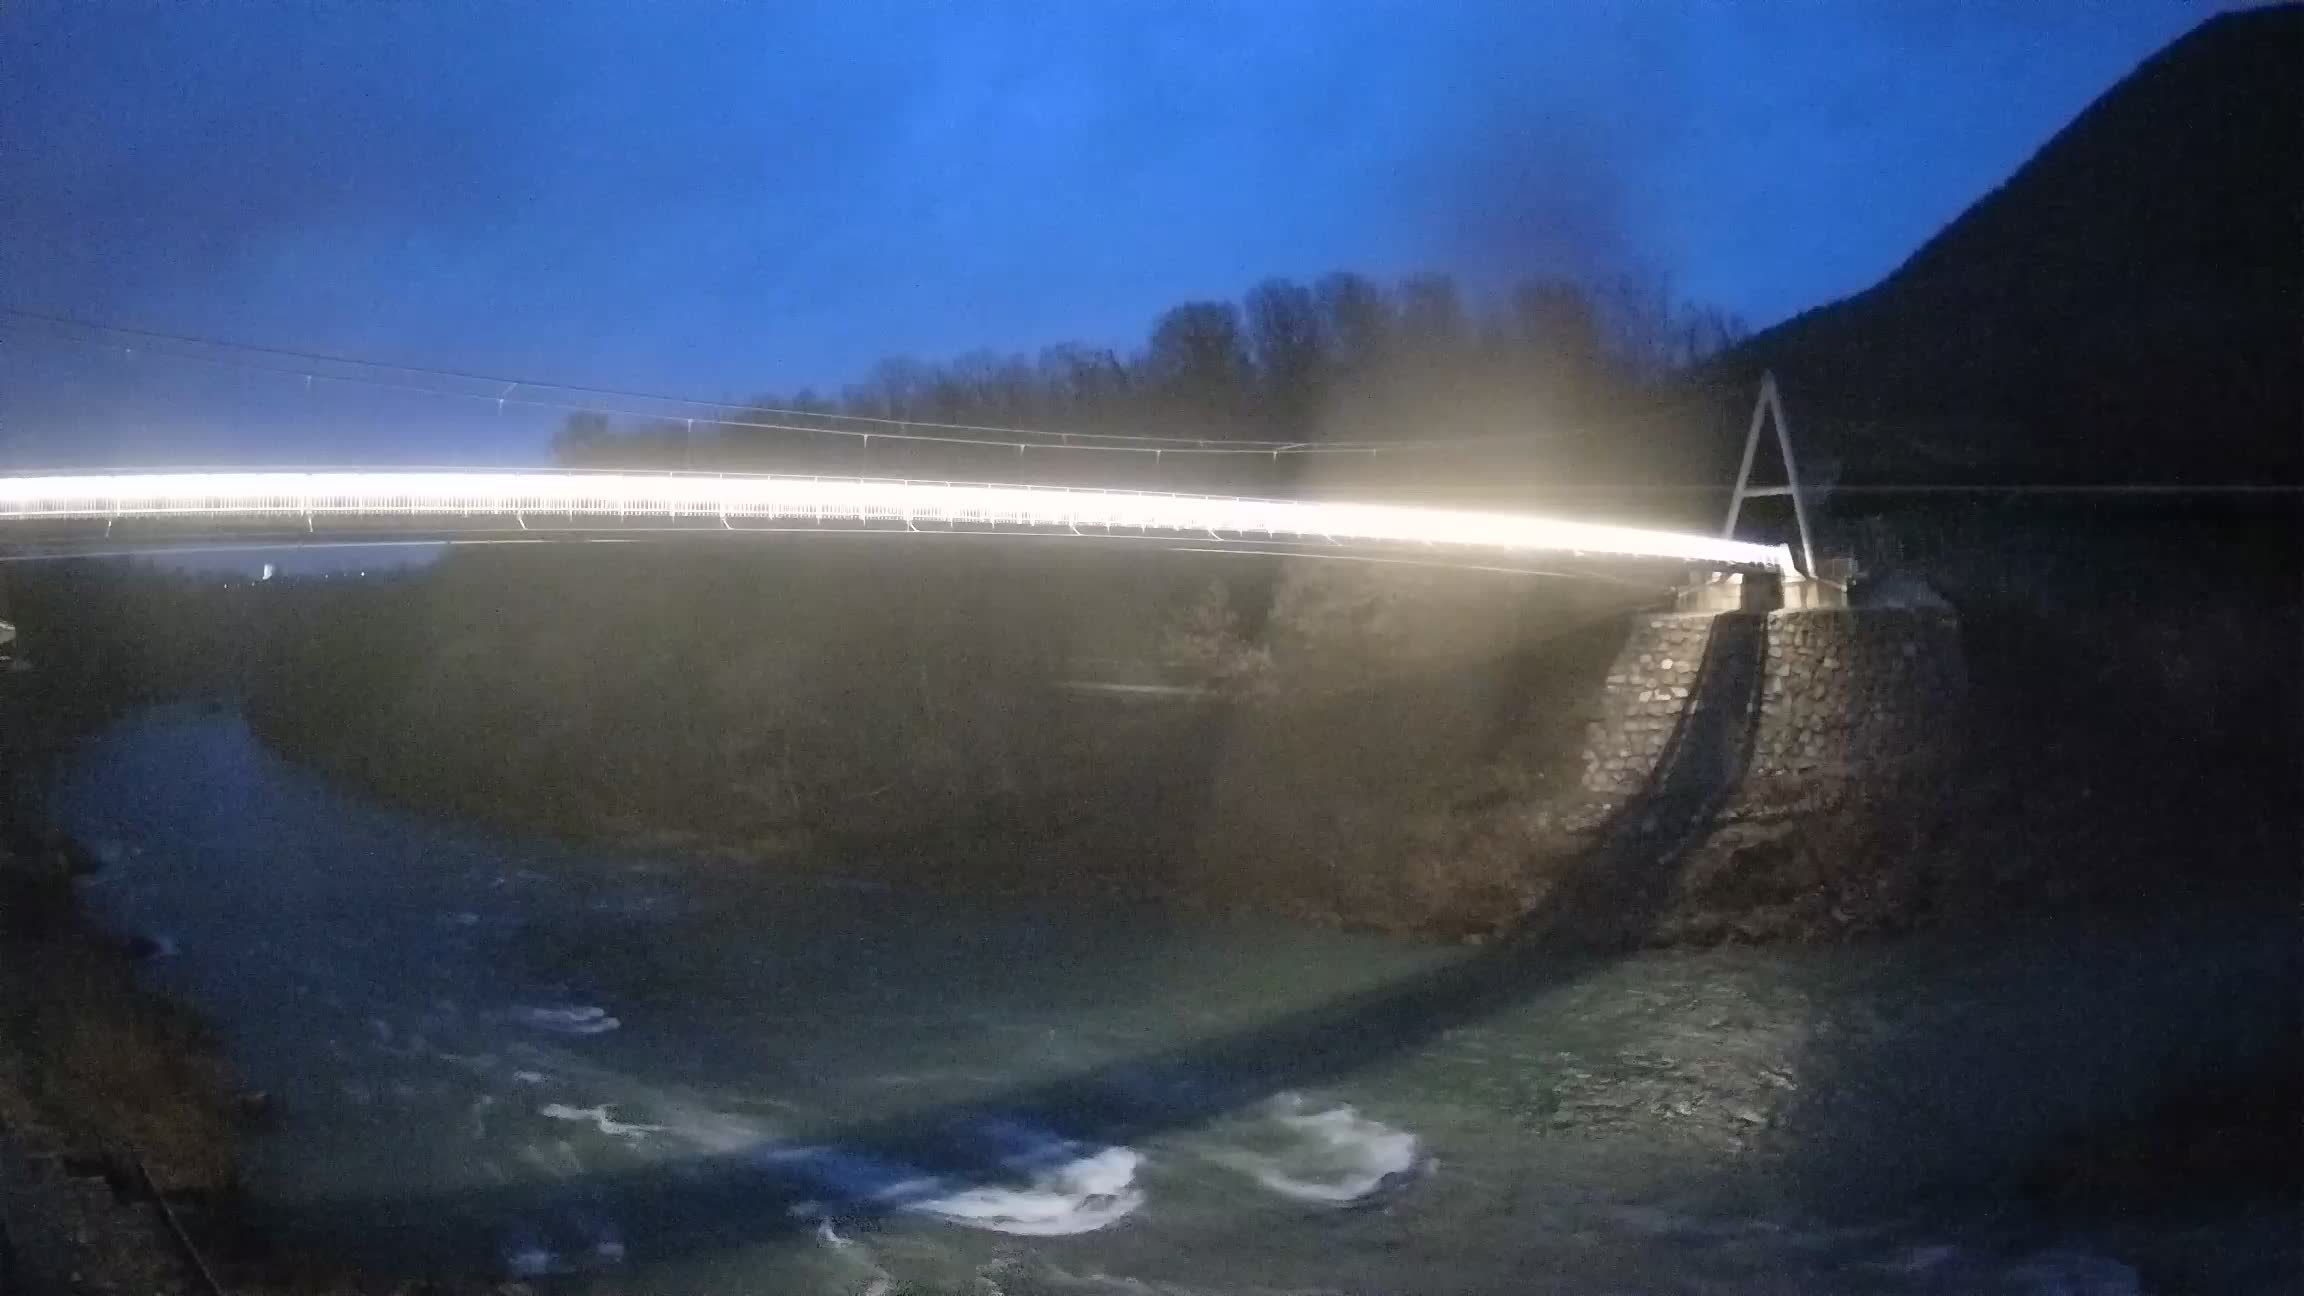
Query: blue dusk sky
[{"x": 723, "y": 198}]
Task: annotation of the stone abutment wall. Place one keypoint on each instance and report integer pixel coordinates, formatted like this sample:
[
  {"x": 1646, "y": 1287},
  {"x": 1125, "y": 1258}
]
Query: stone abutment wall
[{"x": 1843, "y": 696}]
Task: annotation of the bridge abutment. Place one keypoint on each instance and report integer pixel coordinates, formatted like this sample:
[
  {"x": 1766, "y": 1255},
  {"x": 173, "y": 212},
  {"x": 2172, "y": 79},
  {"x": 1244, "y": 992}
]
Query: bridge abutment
[{"x": 1843, "y": 697}]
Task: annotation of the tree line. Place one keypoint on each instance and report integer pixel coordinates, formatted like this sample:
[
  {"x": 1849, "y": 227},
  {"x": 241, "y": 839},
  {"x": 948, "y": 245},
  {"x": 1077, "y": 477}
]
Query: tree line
[{"x": 1344, "y": 358}]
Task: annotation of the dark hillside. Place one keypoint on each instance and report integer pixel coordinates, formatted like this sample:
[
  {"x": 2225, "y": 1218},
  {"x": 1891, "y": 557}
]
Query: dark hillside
[{"x": 2129, "y": 306}]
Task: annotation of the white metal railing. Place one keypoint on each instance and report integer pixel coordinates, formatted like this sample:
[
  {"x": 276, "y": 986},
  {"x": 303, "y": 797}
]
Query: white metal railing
[{"x": 257, "y": 495}]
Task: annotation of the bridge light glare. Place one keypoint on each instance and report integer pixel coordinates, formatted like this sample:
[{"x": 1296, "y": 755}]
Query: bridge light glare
[{"x": 227, "y": 497}]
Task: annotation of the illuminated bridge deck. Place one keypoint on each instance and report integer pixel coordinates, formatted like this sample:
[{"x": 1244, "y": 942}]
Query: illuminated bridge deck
[{"x": 87, "y": 511}]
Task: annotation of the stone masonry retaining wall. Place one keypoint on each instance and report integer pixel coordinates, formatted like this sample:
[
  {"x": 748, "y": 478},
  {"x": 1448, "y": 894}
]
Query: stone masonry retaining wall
[
  {"x": 1853, "y": 693},
  {"x": 1845, "y": 695},
  {"x": 1650, "y": 684}
]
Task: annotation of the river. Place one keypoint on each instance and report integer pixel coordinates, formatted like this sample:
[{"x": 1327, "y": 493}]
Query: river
[{"x": 524, "y": 1058}]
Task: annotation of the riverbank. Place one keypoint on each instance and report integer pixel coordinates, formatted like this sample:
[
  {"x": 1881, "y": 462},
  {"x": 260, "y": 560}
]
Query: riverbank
[
  {"x": 908, "y": 717},
  {"x": 111, "y": 1094},
  {"x": 1378, "y": 749}
]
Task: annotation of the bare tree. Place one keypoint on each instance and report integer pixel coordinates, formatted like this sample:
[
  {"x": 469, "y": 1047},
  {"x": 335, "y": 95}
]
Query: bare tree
[
  {"x": 1284, "y": 333},
  {"x": 1197, "y": 363}
]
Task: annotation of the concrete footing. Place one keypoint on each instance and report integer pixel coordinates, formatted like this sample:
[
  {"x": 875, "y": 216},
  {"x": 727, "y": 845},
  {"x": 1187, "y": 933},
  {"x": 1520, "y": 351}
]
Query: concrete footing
[{"x": 1754, "y": 592}]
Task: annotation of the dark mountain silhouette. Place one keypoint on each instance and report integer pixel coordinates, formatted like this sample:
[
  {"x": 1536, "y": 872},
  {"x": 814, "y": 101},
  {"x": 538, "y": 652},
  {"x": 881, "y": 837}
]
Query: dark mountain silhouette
[{"x": 2128, "y": 307}]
